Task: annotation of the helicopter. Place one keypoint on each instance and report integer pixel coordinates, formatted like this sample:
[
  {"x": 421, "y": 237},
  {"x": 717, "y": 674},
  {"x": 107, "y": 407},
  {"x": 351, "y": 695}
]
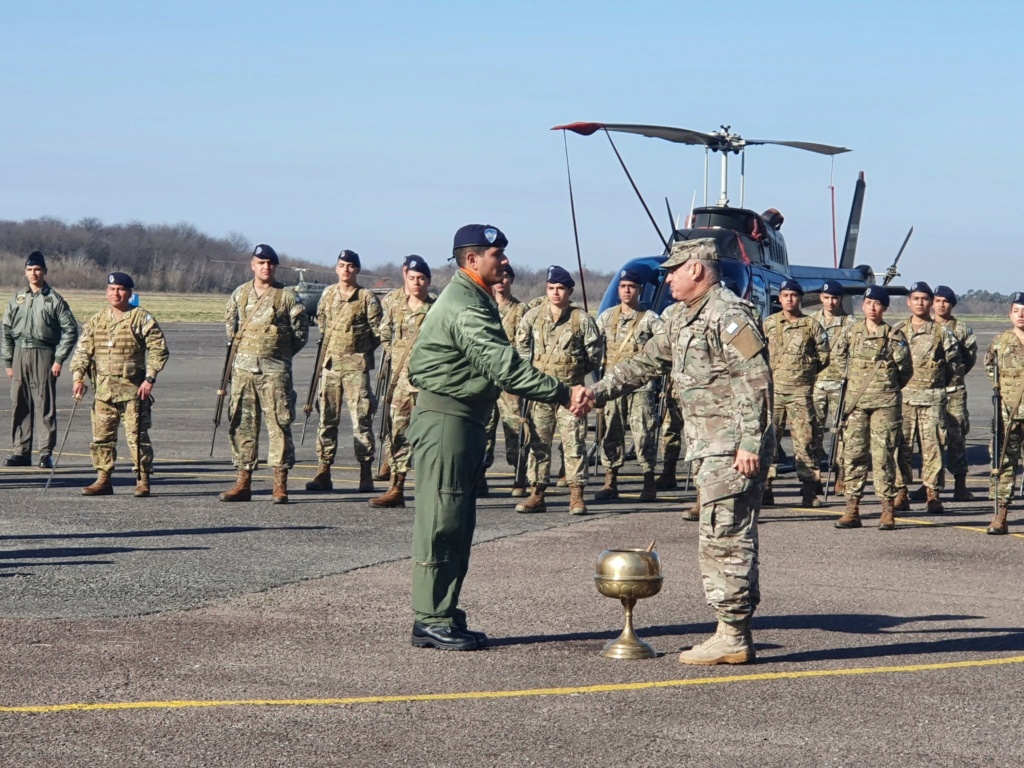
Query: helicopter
[{"x": 754, "y": 251}]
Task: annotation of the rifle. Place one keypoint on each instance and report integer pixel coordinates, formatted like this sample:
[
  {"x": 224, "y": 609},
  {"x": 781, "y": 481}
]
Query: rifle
[
  {"x": 313, "y": 385},
  {"x": 381, "y": 395},
  {"x": 60, "y": 450},
  {"x": 225, "y": 379},
  {"x": 997, "y": 418},
  {"x": 836, "y": 429},
  {"x": 519, "y": 481}
]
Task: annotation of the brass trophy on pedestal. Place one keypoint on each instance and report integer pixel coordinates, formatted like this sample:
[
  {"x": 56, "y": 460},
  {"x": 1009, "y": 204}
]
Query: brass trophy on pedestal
[{"x": 629, "y": 575}]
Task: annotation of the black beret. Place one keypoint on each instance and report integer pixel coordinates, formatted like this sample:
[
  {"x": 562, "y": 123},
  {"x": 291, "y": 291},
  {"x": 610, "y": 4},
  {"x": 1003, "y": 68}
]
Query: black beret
[
  {"x": 791, "y": 285},
  {"x": 414, "y": 263},
  {"x": 510, "y": 272},
  {"x": 878, "y": 293},
  {"x": 633, "y": 275},
  {"x": 1017, "y": 298},
  {"x": 922, "y": 287},
  {"x": 350, "y": 257},
  {"x": 833, "y": 288},
  {"x": 265, "y": 253},
  {"x": 36, "y": 259},
  {"x": 122, "y": 279},
  {"x": 945, "y": 292},
  {"x": 479, "y": 234},
  {"x": 560, "y": 276}
]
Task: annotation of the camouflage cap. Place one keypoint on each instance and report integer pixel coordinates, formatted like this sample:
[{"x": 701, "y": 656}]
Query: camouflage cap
[{"x": 704, "y": 248}]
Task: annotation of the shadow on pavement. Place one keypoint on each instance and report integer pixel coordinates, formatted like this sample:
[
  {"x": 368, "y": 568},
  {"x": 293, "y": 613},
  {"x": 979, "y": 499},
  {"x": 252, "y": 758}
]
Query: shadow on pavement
[{"x": 165, "y": 532}]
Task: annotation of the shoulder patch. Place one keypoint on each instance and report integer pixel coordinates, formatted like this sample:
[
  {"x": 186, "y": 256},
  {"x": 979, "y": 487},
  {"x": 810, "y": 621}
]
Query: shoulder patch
[{"x": 743, "y": 338}]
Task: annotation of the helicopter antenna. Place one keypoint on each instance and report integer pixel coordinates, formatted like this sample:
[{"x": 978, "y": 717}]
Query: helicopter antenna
[
  {"x": 664, "y": 242},
  {"x": 743, "y": 175},
  {"x": 832, "y": 192},
  {"x": 693, "y": 202},
  {"x": 706, "y": 161},
  {"x": 575, "y": 229}
]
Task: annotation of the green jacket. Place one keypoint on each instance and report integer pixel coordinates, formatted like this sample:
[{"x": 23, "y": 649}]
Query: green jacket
[
  {"x": 38, "y": 321},
  {"x": 462, "y": 352}
]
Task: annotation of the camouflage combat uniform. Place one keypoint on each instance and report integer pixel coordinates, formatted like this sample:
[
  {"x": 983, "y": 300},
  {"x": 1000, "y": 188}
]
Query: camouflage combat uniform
[
  {"x": 958, "y": 420},
  {"x": 271, "y": 330},
  {"x": 827, "y": 387},
  {"x": 1009, "y": 349},
  {"x": 117, "y": 355},
  {"x": 506, "y": 409},
  {"x": 936, "y": 360},
  {"x": 351, "y": 328},
  {"x": 624, "y": 336},
  {"x": 567, "y": 349}
]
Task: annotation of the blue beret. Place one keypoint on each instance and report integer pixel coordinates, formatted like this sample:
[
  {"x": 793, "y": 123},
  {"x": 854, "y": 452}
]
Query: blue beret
[
  {"x": 833, "y": 288},
  {"x": 264, "y": 252},
  {"x": 791, "y": 285},
  {"x": 558, "y": 275},
  {"x": 922, "y": 287},
  {"x": 510, "y": 272},
  {"x": 945, "y": 292},
  {"x": 633, "y": 275},
  {"x": 878, "y": 293},
  {"x": 479, "y": 234},
  {"x": 350, "y": 257},
  {"x": 35, "y": 259},
  {"x": 414, "y": 263},
  {"x": 120, "y": 278},
  {"x": 1017, "y": 298}
]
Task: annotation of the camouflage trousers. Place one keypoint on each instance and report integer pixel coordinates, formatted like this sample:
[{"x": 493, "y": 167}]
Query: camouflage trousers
[
  {"x": 672, "y": 430},
  {"x": 137, "y": 417},
  {"x": 926, "y": 422},
  {"x": 402, "y": 403},
  {"x": 826, "y": 408},
  {"x": 1013, "y": 439},
  {"x": 795, "y": 409},
  {"x": 352, "y": 387},
  {"x": 506, "y": 410},
  {"x": 958, "y": 426},
  {"x": 870, "y": 439},
  {"x": 637, "y": 412},
  {"x": 543, "y": 419},
  {"x": 257, "y": 398}
]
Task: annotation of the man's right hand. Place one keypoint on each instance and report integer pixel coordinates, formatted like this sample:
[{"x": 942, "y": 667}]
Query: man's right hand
[
  {"x": 78, "y": 390},
  {"x": 10, "y": 373}
]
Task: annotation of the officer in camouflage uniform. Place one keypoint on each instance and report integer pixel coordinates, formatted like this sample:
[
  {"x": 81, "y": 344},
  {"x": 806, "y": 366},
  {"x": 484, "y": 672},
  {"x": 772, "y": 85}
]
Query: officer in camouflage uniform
[
  {"x": 798, "y": 351},
  {"x": 829, "y": 383},
  {"x": 878, "y": 360},
  {"x": 349, "y": 318},
  {"x": 506, "y": 410},
  {"x": 39, "y": 333},
  {"x": 958, "y": 420},
  {"x": 936, "y": 359},
  {"x": 395, "y": 296},
  {"x": 121, "y": 350},
  {"x": 267, "y": 325},
  {"x": 626, "y": 328},
  {"x": 562, "y": 341},
  {"x": 1007, "y": 351},
  {"x": 398, "y": 330},
  {"x": 717, "y": 359}
]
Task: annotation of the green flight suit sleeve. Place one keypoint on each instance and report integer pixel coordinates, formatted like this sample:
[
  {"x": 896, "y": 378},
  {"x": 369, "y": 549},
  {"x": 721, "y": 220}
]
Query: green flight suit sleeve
[{"x": 7, "y": 349}]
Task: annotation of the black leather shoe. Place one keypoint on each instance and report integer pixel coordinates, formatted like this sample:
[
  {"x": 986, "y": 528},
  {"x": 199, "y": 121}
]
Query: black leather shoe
[
  {"x": 45, "y": 462},
  {"x": 482, "y": 640},
  {"x": 443, "y": 638},
  {"x": 18, "y": 461}
]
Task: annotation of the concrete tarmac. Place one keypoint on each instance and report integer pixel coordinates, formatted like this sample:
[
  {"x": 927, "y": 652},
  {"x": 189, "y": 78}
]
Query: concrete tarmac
[{"x": 179, "y": 630}]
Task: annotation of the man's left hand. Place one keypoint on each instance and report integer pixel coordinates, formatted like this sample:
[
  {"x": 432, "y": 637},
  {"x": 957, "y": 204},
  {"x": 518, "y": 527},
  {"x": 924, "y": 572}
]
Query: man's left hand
[{"x": 55, "y": 370}]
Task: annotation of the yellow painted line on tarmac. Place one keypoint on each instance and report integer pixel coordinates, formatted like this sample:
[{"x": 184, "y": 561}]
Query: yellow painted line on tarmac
[{"x": 513, "y": 694}]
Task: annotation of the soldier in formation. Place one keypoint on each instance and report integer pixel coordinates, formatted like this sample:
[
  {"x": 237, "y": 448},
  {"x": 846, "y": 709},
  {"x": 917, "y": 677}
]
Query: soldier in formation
[
  {"x": 626, "y": 328},
  {"x": 828, "y": 385},
  {"x": 798, "y": 352},
  {"x": 121, "y": 351},
  {"x": 562, "y": 341},
  {"x": 398, "y": 331},
  {"x": 878, "y": 361},
  {"x": 349, "y": 318},
  {"x": 267, "y": 326},
  {"x": 935, "y": 355},
  {"x": 396, "y": 295},
  {"x": 39, "y": 332}
]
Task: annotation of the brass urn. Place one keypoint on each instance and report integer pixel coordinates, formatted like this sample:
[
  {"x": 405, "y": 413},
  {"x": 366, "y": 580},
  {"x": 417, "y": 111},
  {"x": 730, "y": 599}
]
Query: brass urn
[{"x": 629, "y": 575}]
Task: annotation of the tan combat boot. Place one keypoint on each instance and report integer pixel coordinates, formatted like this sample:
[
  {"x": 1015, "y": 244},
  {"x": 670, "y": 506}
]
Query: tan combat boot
[
  {"x": 142, "y": 485},
  {"x": 808, "y": 497},
  {"x": 851, "y": 518},
  {"x": 960, "y": 492},
  {"x": 576, "y": 504},
  {"x": 887, "y": 522},
  {"x": 998, "y": 525},
  {"x": 322, "y": 479},
  {"x": 394, "y": 497},
  {"x": 561, "y": 482},
  {"x": 902, "y": 501},
  {"x": 610, "y": 490},
  {"x": 535, "y": 503},
  {"x": 650, "y": 490},
  {"x": 242, "y": 490},
  {"x": 692, "y": 514},
  {"x": 280, "y": 493},
  {"x": 385, "y": 472},
  {"x": 667, "y": 479},
  {"x": 840, "y": 485},
  {"x": 731, "y": 644},
  {"x": 934, "y": 503},
  {"x": 365, "y": 477},
  {"x": 518, "y": 491},
  {"x": 102, "y": 486}
]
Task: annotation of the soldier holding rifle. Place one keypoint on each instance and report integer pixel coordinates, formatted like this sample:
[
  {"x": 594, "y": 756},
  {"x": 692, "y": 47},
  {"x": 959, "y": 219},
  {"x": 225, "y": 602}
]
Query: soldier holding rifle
[
  {"x": 830, "y": 381},
  {"x": 1004, "y": 364},
  {"x": 349, "y": 319}
]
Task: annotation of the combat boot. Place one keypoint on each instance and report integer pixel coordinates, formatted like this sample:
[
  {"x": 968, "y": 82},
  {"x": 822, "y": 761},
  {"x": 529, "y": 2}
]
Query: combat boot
[
  {"x": 921, "y": 494},
  {"x": 385, "y": 472},
  {"x": 887, "y": 522},
  {"x": 960, "y": 492},
  {"x": 731, "y": 644},
  {"x": 576, "y": 504},
  {"x": 366, "y": 477},
  {"x": 667, "y": 479},
  {"x": 934, "y": 502},
  {"x": 767, "y": 495},
  {"x": 242, "y": 490},
  {"x": 808, "y": 496},
  {"x": 610, "y": 490},
  {"x": 692, "y": 514},
  {"x": 650, "y": 490},
  {"x": 394, "y": 497},
  {"x": 102, "y": 486},
  {"x": 851, "y": 519},
  {"x": 902, "y": 501},
  {"x": 322, "y": 479},
  {"x": 840, "y": 485},
  {"x": 998, "y": 525},
  {"x": 142, "y": 485},
  {"x": 535, "y": 503},
  {"x": 483, "y": 490},
  {"x": 561, "y": 482},
  {"x": 518, "y": 490},
  {"x": 280, "y": 493}
]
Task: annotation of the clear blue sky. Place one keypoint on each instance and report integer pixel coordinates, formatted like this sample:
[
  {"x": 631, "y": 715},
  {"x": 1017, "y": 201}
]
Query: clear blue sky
[{"x": 382, "y": 127}]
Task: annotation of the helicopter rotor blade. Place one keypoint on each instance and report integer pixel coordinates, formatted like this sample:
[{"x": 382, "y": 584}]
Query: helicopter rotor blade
[
  {"x": 853, "y": 224},
  {"x": 809, "y": 146}
]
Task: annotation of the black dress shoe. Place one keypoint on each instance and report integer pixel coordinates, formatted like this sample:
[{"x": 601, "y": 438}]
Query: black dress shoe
[
  {"x": 482, "y": 640},
  {"x": 443, "y": 638},
  {"x": 18, "y": 461},
  {"x": 45, "y": 462}
]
